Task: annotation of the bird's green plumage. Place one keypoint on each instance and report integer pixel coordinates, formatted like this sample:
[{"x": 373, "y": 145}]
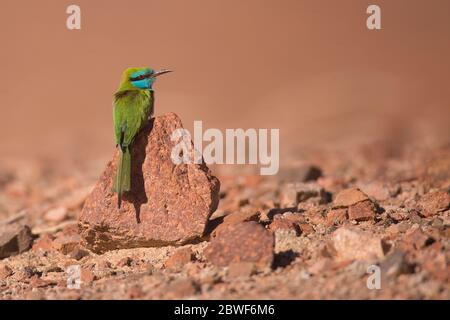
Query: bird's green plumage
[{"x": 132, "y": 106}]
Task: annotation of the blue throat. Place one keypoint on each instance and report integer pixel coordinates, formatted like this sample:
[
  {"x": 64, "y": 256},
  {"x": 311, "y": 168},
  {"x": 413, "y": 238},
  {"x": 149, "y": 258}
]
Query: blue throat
[{"x": 144, "y": 83}]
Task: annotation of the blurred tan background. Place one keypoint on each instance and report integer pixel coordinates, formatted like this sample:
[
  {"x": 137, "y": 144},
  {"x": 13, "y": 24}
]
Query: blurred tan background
[{"x": 308, "y": 67}]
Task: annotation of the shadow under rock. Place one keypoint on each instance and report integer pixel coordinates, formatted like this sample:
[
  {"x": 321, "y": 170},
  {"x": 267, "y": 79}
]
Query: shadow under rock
[
  {"x": 284, "y": 258},
  {"x": 211, "y": 225}
]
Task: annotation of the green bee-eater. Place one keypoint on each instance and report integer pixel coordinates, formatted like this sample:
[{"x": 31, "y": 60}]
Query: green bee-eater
[{"x": 133, "y": 106}]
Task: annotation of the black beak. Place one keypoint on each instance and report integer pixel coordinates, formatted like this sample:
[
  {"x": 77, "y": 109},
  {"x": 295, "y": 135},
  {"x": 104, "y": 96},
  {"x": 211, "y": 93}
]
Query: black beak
[{"x": 160, "y": 72}]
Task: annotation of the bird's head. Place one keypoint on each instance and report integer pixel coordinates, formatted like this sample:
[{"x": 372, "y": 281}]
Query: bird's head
[{"x": 139, "y": 78}]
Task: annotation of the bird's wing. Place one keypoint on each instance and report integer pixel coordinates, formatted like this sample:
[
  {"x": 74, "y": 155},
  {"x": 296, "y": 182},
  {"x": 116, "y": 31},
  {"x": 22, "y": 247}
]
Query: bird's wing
[
  {"x": 118, "y": 123},
  {"x": 128, "y": 116},
  {"x": 133, "y": 126},
  {"x": 134, "y": 117}
]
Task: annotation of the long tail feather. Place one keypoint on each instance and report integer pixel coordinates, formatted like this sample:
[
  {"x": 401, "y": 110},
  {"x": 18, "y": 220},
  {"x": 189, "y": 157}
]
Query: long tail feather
[{"x": 122, "y": 181}]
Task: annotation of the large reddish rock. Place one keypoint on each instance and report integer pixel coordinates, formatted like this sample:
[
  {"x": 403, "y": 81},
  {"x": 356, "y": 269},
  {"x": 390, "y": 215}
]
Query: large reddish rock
[
  {"x": 168, "y": 204},
  {"x": 242, "y": 242}
]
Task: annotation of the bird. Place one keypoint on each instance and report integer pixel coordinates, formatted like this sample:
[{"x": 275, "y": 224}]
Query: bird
[{"x": 132, "y": 109}]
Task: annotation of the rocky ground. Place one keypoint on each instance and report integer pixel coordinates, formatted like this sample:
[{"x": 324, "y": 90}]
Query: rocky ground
[{"x": 310, "y": 232}]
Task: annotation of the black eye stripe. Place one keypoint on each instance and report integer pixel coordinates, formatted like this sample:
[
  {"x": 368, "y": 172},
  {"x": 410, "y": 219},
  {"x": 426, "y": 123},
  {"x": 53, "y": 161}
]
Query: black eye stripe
[{"x": 141, "y": 77}]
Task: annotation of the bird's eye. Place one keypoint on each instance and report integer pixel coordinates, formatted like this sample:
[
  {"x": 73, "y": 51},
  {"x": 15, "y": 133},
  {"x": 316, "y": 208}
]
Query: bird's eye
[{"x": 141, "y": 77}]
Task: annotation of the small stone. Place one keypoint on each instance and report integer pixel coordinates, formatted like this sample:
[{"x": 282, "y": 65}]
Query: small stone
[
  {"x": 312, "y": 190},
  {"x": 53, "y": 268},
  {"x": 56, "y": 215},
  {"x": 79, "y": 253},
  {"x": 399, "y": 227},
  {"x": 103, "y": 265},
  {"x": 361, "y": 211},
  {"x": 66, "y": 243},
  {"x": 313, "y": 215},
  {"x": 306, "y": 228},
  {"x": 87, "y": 276},
  {"x": 434, "y": 202},
  {"x": 351, "y": 243},
  {"x": 234, "y": 218},
  {"x": 5, "y": 272},
  {"x": 292, "y": 194},
  {"x": 349, "y": 197},
  {"x": 437, "y": 223},
  {"x": 241, "y": 269},
  {"x": 284, "y": 224},
  {"x": 179, "y": 258},
  {"x": 417, "y": 239},
  {"x": 243, "y": 242},
  {"x": 37, "y": 282},
  {"x": 125, "y": 262},
  {"x": 45, "y": 243},
  {"x": 168, "y": 204},
  {"x": 336, "y": 216},
  {"x": 415, "y": 218},
  {"x": 288, "y": 198},
  {"x": 14, "y": 239},
  {"x": 399, "y": 214},
  {"x": 28, "y": 272},
  {"x": 295, "y": 217}
]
